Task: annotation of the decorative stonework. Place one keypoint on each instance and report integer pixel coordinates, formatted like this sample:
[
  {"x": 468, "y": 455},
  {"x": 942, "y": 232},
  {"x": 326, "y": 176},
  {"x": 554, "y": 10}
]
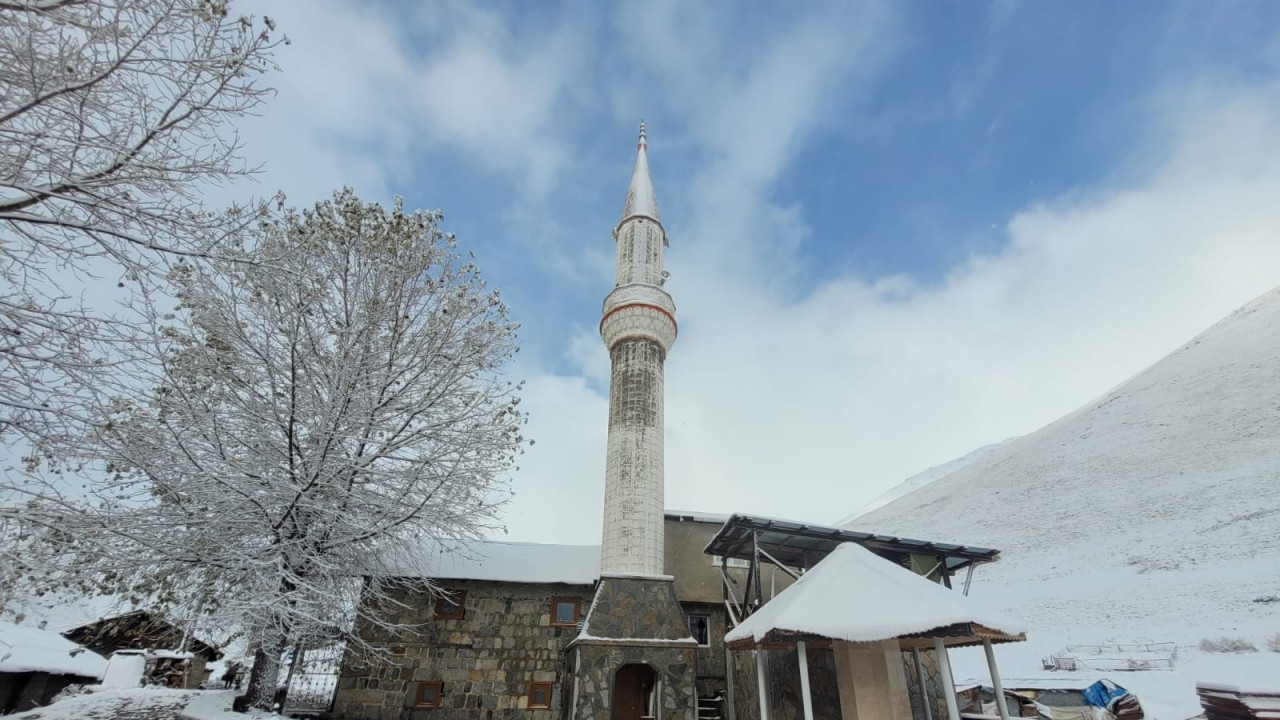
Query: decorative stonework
[{"x": 639, "y": 321}]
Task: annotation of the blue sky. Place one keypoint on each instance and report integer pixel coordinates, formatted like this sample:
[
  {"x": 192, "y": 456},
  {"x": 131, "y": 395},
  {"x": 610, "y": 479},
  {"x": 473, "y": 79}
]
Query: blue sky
[{"x": 898, "y": 230}]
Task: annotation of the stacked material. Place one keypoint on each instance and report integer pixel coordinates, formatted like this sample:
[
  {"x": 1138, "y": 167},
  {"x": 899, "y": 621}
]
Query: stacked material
[{"x": 1228, "y": 702}]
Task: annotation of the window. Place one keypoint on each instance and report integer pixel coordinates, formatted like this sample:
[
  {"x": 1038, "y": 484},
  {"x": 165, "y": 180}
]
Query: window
[
  {"x": 700, "y": 629},
  {"x": 540, "y": 696},
  {"x": 730, "y": 562},
  {"x": 428, "y": 694},
  {"x": 451, "y": 605},
  {"x": 565, "y": 611}
]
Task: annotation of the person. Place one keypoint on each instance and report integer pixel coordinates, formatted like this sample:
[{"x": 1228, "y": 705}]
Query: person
[{"x": 231, "y": 676}]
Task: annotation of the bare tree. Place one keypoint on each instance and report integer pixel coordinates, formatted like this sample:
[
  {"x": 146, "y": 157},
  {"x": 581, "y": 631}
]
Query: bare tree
[
  {"x": 114, "y": 119},
  {"x": 315, "y": 419}
]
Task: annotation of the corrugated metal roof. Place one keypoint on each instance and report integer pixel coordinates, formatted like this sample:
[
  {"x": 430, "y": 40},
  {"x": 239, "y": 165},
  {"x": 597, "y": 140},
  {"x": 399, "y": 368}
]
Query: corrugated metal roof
[{"x": 803, "y": 545}]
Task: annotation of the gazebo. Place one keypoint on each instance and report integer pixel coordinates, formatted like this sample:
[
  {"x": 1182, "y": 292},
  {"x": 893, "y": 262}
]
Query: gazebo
[{"x": 869, "y": 610}]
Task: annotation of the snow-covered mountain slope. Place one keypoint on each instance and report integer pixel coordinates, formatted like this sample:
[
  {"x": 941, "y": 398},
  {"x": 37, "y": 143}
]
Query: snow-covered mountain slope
[
  {"x": 920, "y": 479},
  {"x": 1150, "y": 514}
]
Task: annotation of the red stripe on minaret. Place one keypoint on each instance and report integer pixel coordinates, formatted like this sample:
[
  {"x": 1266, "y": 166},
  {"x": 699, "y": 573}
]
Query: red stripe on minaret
[{"x": 675, "y": 326}]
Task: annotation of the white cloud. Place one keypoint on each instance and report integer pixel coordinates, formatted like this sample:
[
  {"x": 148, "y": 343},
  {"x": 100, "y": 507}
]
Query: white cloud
[{"x": 358, "y": 100}]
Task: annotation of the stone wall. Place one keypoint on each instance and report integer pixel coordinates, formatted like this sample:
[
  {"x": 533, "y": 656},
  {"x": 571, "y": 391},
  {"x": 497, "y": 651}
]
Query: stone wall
[
  {"x": 635, "y": 621},
  {"x": 598, "y": 664},
  {"x": 782, "y": 678},
  {"x": 711, "y": 669},
  {"x": 933, "y": 685},
  {"x": 485, "y": 661}
]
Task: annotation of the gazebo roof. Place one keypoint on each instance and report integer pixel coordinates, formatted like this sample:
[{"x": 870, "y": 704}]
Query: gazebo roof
[
  {"x": 803, "y": 545},
  {"x": 857, "y": 596}
]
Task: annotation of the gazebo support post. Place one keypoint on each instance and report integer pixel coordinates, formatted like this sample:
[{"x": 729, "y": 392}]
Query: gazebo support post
[
  {"x": 764, "y": 686},
  {"x": 922, "y": 686},
  {"x": 805, "y": 696},
  {"x": 948, "y": 685},
  {"x": 995, "y": 680}
]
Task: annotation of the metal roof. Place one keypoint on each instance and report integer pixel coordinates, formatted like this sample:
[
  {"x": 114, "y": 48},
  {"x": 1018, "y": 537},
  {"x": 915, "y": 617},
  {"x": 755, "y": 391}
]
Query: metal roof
[{"x": 803, "y": 545}]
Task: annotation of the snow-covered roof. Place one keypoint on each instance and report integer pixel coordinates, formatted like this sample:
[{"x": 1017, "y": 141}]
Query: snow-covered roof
[
  {"x": 505, "y": 562},
  {"x": 28, "y": 649},
  {"x": 855, "y": 595},
  {"x": 696, "y": 516},
  {"x": 63, "y": 611}
]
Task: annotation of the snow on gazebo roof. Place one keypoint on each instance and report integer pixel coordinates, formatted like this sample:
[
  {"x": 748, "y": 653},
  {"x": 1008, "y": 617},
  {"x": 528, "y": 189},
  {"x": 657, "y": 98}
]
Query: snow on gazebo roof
[
  {"x": 855, "y": 595},
  {"x": 28, "y": 649}
]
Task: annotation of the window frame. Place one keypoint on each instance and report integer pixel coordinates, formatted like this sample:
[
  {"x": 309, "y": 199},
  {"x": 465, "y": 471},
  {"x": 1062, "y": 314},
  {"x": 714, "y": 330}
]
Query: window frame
[
  {"x": 689, "y": 616},
  {"x": 437, "y": 685},
  {"x": 455, "y": 598},
  {"x": 577, "y": 611},
  {"x": 533, "y": 688},
  {"x": 738, "y": 563}
]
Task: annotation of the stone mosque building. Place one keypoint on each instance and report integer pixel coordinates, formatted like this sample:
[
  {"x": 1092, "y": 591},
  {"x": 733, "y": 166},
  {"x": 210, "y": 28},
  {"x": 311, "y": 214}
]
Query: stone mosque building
[{"x": 634, "y": 628}]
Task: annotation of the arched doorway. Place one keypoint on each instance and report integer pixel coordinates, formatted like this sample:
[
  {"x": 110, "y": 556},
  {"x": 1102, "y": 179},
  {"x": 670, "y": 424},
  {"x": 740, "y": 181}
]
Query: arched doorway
[{"x": 633, "y": 687}]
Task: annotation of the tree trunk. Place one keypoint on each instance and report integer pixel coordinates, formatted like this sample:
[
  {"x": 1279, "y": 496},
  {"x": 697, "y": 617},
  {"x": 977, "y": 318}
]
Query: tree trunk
[{"x": 265, "y": 676}]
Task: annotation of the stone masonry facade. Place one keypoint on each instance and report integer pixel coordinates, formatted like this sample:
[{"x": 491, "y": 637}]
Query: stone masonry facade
[
  {"x": 635, "y": 620},
  {"x": 485, "y": 662}
]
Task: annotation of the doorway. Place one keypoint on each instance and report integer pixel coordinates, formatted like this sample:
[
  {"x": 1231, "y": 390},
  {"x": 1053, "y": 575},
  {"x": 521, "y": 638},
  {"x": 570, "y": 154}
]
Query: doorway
[{"x": 633, "y": 687}]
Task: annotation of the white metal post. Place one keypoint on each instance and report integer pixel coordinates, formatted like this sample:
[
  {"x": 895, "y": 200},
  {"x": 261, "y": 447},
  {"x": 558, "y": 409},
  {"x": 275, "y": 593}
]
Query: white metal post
[
  {"x": 764, "y": 688},
  {"x": 925, "y": 701},
  {"x": 804, "y": 681},
  {"x": 948, "y": 684},
  {"x": 995, "y": 680}
]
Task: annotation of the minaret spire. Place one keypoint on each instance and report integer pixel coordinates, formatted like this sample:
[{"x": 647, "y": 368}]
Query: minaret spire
[{"x": 641, "y": 200}]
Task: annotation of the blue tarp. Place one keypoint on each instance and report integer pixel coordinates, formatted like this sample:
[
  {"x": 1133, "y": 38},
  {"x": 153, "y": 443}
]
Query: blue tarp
[{"x": 1101, "y": 693}]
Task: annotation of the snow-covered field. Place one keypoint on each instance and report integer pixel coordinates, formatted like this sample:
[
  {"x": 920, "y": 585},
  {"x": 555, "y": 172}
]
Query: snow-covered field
[{"x": 1150, "y": 515}]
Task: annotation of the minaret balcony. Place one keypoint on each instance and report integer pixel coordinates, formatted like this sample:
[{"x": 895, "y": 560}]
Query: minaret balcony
[{"x": 641, "y": 312}]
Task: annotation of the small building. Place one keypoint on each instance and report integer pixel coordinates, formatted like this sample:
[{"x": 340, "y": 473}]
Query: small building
[
  {"x": 873, "y": 617},
  {"x": 142, "y": 630},
  {"x": 37, "y": 664}
]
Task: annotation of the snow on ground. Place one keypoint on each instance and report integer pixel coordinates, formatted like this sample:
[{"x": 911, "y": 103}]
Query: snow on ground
[
  {"x": 28, "y": 649},
  {"x": 148, "y": 703},
  {"x": 115, "y": 704},
  {"x": 1150, "y": 515}
]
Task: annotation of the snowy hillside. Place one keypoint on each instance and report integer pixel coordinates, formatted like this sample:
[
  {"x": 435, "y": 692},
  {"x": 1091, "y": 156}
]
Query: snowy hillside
[
  {"x": 1151, "y": 514},
  {"x": 919, "y": 480}
]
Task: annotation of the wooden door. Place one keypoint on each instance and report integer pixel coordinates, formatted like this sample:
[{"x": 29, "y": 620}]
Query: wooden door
[{"x": 632, "y": 686}]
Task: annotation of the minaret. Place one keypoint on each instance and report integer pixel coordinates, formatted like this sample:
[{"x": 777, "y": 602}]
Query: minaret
[
  {"x": 634, "y": 656},
  {"x": 638, "y": 327}
]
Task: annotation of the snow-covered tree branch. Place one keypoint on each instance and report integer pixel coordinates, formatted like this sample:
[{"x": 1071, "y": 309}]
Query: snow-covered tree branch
[
  {"x": 114, "y": 119},
  {"x": 314, "y": 419}
]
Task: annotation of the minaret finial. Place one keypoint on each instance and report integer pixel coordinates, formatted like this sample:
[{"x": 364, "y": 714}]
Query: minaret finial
[{"x": 642, "y": 140}]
